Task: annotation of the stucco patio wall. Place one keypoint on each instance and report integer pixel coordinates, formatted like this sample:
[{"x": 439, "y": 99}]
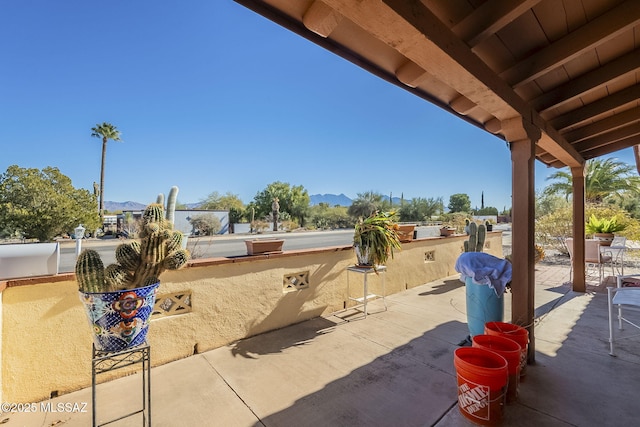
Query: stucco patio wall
[{"x": 46, "y": 343}]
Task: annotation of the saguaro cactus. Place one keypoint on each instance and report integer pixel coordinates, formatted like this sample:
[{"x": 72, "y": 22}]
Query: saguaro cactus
[
  {"x": 171, "y": 203},
  {"x": 137, "y": 264},
  {"x": 477, "y": 236}
]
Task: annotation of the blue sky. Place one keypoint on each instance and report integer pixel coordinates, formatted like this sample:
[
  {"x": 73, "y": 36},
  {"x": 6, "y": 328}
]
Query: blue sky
[{"x": 210, "y": 96}]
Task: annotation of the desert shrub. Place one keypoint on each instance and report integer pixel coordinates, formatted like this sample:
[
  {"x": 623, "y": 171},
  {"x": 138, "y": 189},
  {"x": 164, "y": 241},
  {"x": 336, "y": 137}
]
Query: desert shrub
[
  {"x": 553, "y": 228},
  {"x": 205, "y": 224},
  {"x": 455, "y": 220},
  {"x": 324, "y": 217},
  {"x": 289, "y": 225},
  {"x": 260, "y": 226}
]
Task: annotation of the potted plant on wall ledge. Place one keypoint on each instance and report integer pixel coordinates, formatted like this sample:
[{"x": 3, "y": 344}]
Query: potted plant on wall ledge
[
  {"x": 375, "y": 238},
  {"x": 119, "y": 299},
  {"x": 406, "y": 232},
  {"x": 603, "y": 229},
  {"x": 446, "y": 231}
]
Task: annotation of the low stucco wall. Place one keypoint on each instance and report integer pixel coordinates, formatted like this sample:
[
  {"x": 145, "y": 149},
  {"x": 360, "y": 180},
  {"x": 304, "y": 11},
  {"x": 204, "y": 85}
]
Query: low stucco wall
[{"x": 46, "y": 342}]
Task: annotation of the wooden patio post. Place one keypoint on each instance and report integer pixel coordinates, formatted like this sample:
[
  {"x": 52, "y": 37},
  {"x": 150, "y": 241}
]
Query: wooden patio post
[
  {"x": 522, "y": 139},
  {"x": 579, "y": 279}
]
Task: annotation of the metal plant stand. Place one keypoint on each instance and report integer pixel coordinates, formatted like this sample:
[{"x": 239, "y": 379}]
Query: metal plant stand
[
  {"x": 110, "y": 361},
  {"x": 366, "y": 296}
]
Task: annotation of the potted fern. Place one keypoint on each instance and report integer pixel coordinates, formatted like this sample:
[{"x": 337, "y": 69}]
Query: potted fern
[
  {"x": 375, "y": 238},
  {"x": 119, "y": 299},
  {"x": 603, "y": 229}
]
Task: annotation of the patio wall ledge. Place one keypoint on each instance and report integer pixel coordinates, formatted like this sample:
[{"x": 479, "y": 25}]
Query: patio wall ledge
[{"x": 46, "y": 341}]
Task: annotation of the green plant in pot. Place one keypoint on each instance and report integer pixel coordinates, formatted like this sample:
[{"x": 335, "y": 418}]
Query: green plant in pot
[
  {"x": 375, "y": 239},
  {"x": 603, "y": 229},
  {"x": 119, "y": 298}
]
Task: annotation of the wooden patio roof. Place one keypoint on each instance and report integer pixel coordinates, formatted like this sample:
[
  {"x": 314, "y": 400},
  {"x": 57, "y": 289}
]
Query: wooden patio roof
[{"x": 569, "y": 67}]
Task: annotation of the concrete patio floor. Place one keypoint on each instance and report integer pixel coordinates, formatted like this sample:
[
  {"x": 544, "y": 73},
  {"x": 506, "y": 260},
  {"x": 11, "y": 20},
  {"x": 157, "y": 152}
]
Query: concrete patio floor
[{"x": 394, "y": 368}]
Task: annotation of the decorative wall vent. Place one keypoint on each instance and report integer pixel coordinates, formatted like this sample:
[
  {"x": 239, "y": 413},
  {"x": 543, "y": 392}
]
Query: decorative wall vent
[
  {"x": 295, "y": 281},
  {"x": 430, "y": 256},
  {"x": 172, "y": 304}
]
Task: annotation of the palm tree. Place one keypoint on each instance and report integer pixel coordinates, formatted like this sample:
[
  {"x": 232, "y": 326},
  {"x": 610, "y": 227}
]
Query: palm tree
[
  {"x": 603, "y": 178},
  {"x": 366, "y": 203},
  {"x": 105, "y": 131}
]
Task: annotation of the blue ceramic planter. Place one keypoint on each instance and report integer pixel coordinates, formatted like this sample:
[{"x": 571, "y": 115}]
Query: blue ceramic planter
[{"x": 120, "y": 319}]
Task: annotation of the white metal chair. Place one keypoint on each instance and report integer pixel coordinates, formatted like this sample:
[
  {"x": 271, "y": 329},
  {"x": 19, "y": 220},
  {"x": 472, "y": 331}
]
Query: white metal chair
[
  {"x": 622, "y": 298},
  {"x": 616, "y": 251},
  {"x": 593, "y": 257}
]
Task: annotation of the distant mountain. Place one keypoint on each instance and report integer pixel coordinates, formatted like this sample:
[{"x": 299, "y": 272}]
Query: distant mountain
[
  {"x": 330, "y": 199},
  {"x": 123, "y": 206},
  {"x": 315, "y": 199}
]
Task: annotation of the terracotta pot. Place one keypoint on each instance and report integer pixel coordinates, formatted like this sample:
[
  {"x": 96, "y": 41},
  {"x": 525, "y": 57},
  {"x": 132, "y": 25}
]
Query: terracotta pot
[
  {"x": 604, "y": 238},
  {"x": 261, "y": 246},
  {"x": 447, "y": 231},
  {"x": 405, "y": 232}
]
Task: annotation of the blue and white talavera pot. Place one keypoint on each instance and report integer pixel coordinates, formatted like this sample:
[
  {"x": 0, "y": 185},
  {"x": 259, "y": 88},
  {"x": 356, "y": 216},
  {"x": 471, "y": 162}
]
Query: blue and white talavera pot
[{"x": 120, "y": 319}]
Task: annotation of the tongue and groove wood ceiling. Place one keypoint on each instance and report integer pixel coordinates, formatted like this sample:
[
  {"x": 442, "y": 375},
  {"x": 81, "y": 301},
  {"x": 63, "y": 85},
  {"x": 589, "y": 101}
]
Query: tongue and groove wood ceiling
[{"x": 570, "y": 67}]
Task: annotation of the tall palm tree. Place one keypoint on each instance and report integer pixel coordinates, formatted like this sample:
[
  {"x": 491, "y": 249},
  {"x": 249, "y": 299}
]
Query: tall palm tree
[
  {"x": 105, "y": 131},
  {"x": 366, "y": 203},
  {"x": 603, "y": 178}
]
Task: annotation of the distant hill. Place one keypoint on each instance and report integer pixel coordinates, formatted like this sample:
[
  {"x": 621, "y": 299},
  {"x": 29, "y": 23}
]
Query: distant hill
[
  {"x": 330, "y": 199},
  {"x": 315, "y": 199},
  {"x": 123, "y": 206}
]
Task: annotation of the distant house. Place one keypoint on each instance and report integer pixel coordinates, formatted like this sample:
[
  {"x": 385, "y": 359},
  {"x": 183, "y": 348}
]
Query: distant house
[
  {"x": 182, "y": 219},
  {"x": 109, "y": 223}
]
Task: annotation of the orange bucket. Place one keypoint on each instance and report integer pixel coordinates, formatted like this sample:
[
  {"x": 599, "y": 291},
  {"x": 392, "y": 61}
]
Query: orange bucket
[
  {"x": 482, "y": 380},
  {"x": 514, "y": 332},
  {"x": 510, "y": 350}
]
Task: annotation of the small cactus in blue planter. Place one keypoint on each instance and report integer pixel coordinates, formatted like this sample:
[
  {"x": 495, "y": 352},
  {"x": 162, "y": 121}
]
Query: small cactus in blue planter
[{"x": 119, "y": 298}]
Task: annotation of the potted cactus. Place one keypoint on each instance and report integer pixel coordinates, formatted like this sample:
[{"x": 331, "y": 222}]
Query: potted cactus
[{"x": 119, "y": 299}]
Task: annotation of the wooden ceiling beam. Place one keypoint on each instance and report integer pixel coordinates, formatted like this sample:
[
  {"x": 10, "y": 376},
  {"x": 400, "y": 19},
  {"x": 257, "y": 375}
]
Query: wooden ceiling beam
[
  {"x": 321, "y": 19},
  {"x": 411, "y": 74},
  {"x": 587, "y": 37},
  {"x": 415, "y": 32},
  {"x": 605, "y": 125},
  {"x": 462, "y": 105},
  {"x": 589, "y": 82},
  {"x": 556, "y": 164},
  {"x": 435, "y": 48},
  {"x": 545, "y": 157},
  {"x": 601, "y": 106},
  {"x": 489, "y": 18},
  {"x": 616, "y": 146},
  {"x": 561, "y": 150},
  {"x": 608, "y": 138}
]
